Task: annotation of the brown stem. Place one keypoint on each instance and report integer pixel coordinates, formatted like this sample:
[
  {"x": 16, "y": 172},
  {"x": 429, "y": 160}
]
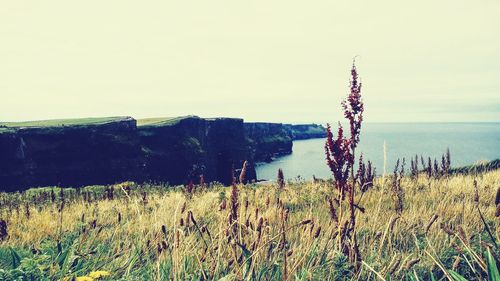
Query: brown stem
[{"x": 486, "y": 226}]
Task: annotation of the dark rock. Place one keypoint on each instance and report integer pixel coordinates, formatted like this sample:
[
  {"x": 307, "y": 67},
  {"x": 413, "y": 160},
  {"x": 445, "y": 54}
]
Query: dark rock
[
  {"x": 78, "y": 152},
  {"x": 182, "y": 151},
  {"x": 306, "y": 131},
  {"x": 69, "y": 155},
  {"x": 268, "y": 140}
]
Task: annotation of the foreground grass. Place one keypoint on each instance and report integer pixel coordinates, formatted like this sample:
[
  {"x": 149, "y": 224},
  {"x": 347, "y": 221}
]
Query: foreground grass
[{"x": 152, "y": 232}]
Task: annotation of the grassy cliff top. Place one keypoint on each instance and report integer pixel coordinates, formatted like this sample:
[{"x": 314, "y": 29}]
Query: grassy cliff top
[
  {"x": 161, "y": 121},
  {"x": 61, "y": 122}
]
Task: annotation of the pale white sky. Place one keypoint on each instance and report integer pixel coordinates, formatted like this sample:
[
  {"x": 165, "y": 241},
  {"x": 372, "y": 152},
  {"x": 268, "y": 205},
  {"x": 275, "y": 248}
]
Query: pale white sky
[{"x": 282, "y": 61}]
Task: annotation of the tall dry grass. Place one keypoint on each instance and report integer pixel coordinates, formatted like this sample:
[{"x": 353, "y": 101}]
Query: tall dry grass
[{"x": 266, "y": 231}]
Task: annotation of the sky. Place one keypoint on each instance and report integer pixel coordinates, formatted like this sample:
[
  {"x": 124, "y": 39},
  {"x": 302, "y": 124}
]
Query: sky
[{"x": 277, "y": 61}]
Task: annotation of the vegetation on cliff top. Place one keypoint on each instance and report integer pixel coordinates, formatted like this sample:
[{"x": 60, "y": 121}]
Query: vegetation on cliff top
[
  {"x": 63, "y": 122},
  {"x": 161, "y": 121}
]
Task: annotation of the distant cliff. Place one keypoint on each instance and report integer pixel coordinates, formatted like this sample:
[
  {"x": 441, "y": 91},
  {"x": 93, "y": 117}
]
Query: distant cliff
[
  {"x": 78, "y": 152},
  {"x": 180, "y": 149},
  {"x": 92, "y": 151},
  {"x": 305, "y": 131},
  {"x": 268, "y": 140}
]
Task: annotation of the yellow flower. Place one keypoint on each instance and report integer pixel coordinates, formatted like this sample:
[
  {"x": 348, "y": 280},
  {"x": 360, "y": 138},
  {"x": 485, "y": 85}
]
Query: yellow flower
[
  {"x": 84, "y": 278},
  {"x": 98, "y": 274}
]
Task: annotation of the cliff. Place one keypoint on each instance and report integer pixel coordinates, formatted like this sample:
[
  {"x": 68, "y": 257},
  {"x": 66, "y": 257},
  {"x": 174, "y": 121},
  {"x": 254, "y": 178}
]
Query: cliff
[
  {"x": 78, "y": 152},
  {"x": 268, "y": 140},
  {"x": 305, "y": 131},
  {"x": 181, "y": 149},
  {"x": 68, "y": 152}
]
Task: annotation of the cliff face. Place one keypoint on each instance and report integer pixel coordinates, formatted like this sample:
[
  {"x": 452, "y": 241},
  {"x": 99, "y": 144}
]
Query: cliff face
[
  {"x": 69, "y": 155},
  {"x": 79, "y": 152},
  {"x": 229, "y": 148},
  {"x": 184, "y": 149},
  {"x": 268, "y": 140},
  {"x": 306, "y": 131},
  {"x": 12, "y": 167},
  {"x": 171, "y": 150}
]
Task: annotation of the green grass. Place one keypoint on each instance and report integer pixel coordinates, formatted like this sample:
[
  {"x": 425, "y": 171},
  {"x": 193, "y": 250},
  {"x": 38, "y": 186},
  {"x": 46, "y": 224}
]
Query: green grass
[
  {"x": 6, "y": 130},
  {"x": 61, "y": 122},
  {"x": 160, "y": 121},
  {"x": 156, "y": 232},
  {"x": 153, "y": 121},
  {"x": 480, "y": 167}
]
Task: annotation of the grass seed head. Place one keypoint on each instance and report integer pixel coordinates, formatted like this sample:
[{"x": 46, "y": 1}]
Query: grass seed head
[
  {"x": 497, "y": 198},
  {"x": 318, "y": 232},
  {"x": 395, "y": 265},
  {"x": 476, "y": 192},
  {"x": 243, "y": 172},
  {"x": 447, "y": 229},
  {"x": 3, "y": 230},
  {"x": 411, "y": 263},
  {"x": 431, "y": 222},
  {"x": 281, "y": 179}
]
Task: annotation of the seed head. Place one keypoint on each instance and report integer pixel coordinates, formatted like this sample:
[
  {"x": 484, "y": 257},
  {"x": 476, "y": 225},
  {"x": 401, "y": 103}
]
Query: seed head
[
  {"x": 318, "y": 232},
  {"x": 243, "y": 172},
  {"x": 411, "y": 263},
  {"x": 281, "y": 179}
]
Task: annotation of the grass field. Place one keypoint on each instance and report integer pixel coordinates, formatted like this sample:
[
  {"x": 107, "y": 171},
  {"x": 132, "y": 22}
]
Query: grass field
[
  {"x": 251, "y": 232},
  {"x": 160, "y": 121},
  {"x": 62, "y": 122}
]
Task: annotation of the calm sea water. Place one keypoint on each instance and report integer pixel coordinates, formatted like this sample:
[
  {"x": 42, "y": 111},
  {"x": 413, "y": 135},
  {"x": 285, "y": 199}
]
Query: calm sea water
[{"x": 468, "y": 143}]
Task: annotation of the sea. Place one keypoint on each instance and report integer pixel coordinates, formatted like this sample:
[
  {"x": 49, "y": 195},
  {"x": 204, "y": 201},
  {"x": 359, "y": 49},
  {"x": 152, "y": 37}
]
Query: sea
[{"x": 469, "y": 143}]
